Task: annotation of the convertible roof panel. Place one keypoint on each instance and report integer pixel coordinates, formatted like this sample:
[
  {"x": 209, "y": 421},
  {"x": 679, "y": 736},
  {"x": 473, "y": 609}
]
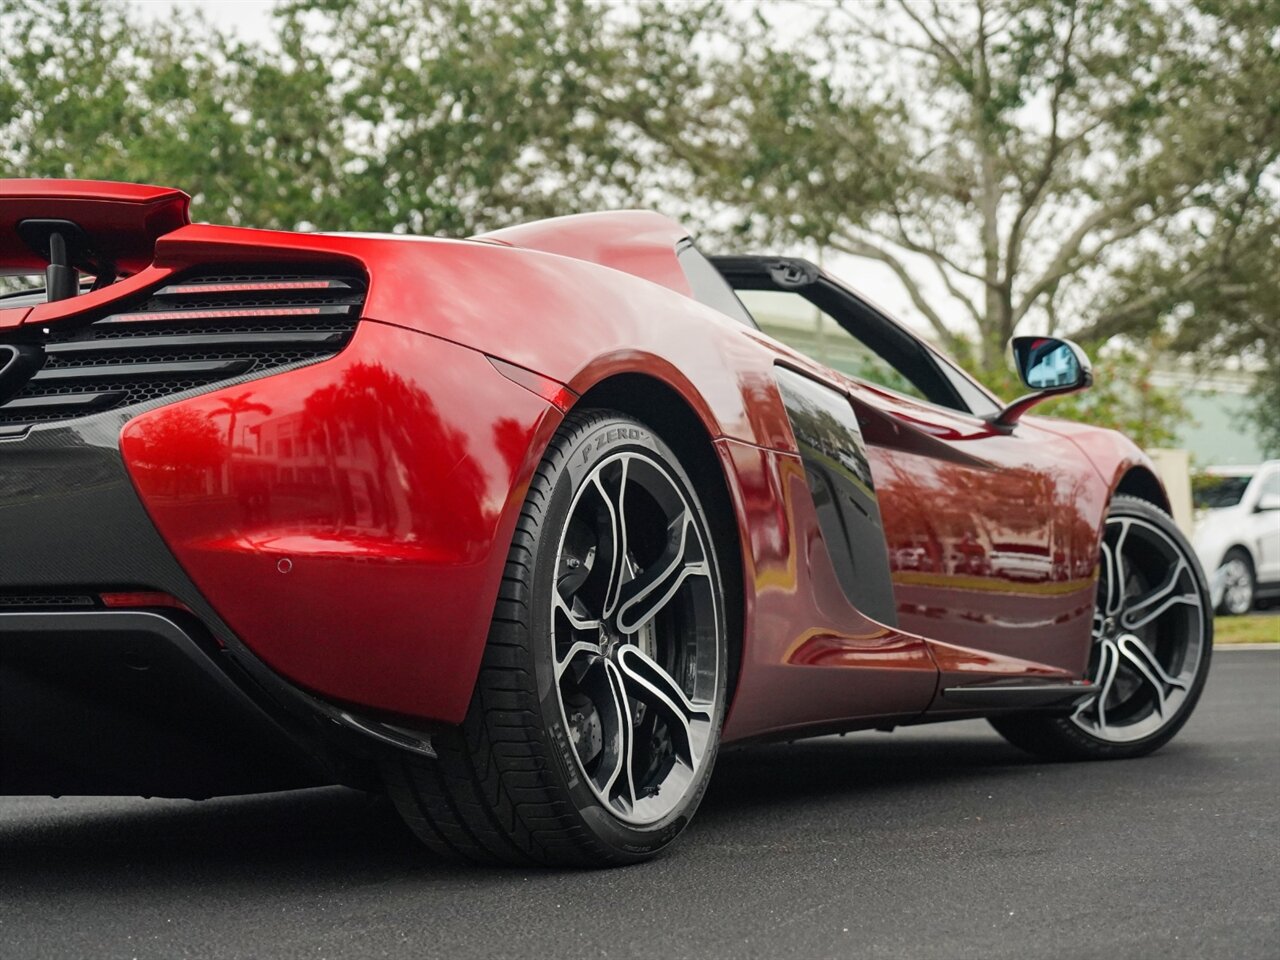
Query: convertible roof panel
[{"x": 638, "y": 242}]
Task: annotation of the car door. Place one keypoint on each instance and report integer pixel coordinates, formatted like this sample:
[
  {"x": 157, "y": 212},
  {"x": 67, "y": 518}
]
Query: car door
[
  {"x": 991, "y": 552},
  {"x": 1265, "y": 520}
]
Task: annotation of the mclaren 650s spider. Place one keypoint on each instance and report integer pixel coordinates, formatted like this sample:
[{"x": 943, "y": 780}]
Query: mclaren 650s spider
[{"x": 522, "y": 528}]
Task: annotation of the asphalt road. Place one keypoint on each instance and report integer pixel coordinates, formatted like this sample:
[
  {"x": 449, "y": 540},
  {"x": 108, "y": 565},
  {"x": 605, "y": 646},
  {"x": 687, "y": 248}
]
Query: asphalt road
[{"x": 935, "y": 842}]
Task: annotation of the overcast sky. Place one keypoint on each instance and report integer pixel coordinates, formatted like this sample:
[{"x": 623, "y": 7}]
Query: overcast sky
[{"x": 250, "y": 18}]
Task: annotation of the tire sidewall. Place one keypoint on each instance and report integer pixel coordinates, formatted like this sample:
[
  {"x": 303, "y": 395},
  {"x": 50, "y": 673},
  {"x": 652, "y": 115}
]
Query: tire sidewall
[{"x": 598, "y": 438}]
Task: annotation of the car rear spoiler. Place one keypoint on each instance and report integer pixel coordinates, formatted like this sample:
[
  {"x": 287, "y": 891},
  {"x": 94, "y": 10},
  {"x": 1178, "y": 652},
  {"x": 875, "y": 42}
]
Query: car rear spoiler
[{"x": 60, "y": 227}]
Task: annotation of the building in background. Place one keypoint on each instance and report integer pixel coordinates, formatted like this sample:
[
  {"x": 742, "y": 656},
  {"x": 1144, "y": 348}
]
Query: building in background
[{"x": 1217, "y": 432}]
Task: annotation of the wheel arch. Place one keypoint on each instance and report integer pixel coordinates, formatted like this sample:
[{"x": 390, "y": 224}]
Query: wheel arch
[
  {"x": 660, "y": 406},
  {"x": 1237, "y": 546},
  {"x": 1142, "y": 483}
]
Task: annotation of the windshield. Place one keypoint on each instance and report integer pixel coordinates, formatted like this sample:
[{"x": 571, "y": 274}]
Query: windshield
[{"x": 1210, "y": 492}]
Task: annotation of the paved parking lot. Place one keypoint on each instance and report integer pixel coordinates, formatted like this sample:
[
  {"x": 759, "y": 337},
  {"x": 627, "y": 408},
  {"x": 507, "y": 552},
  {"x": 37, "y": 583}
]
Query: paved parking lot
[{"x": 934, "y": 842}]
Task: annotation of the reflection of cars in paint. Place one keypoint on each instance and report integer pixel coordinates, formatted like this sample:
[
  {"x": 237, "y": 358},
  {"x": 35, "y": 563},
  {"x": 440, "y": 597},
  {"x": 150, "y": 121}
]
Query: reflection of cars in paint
[
  {"x": 1237, "y": 533},
  {"x": 521, "y": 528},
  {"x": 911, "y": 558},
  {"x": 969, "y": 557}
]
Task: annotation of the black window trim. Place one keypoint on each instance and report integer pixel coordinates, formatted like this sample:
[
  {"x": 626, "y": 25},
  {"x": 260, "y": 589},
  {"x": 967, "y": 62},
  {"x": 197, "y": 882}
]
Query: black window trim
[{"x": 796, "y": 275}]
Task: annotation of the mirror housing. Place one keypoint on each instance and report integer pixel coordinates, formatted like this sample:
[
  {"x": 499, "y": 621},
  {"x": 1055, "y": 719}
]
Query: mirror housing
[
  {"x": 1049, "y": 366},
  {"x": 1268, "y": 502}
]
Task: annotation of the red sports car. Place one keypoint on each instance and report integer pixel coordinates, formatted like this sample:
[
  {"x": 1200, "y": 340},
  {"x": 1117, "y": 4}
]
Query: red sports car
[{"x": 522, "y": 528}]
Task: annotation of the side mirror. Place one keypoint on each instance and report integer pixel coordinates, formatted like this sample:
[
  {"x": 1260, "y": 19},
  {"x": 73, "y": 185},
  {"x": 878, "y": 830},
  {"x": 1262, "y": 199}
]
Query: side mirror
[
  {"x": 1049, "y": 366},
  {"x": 1268, "y": 501}
]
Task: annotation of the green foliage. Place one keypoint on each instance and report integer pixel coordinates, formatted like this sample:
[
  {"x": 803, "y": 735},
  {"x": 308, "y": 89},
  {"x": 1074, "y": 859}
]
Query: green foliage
[
  {"x": 1264, "y": 416},
  {"x": 446, "y": 116},
  {"x": 1091, "y": 168},
  {"x": 1010, "y": 160}
]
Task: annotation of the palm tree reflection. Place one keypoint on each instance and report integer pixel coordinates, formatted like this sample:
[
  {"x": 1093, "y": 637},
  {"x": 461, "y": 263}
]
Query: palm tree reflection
[{"x": 368, "y": 455}]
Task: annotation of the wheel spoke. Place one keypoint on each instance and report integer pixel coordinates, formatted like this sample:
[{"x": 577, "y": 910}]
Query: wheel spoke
[
  {"x": 1233, "y": 582},
  {"x": 576, "y": 620},
  {"x": 1099, "y": 624},
  {"x": 642, "y": 598},
  {"x": 579, "y": 648},
  {"x": 616, "y": 510},
  {"x": 1140, "y": 658},
  {"x": 614, "y": 772},
  {"x": 657, "y": 689},
  {"x": 1146, "y": 576},
  {"x": 1142, "y": 611},
  {"x": 1108, "y": 662},
  {"x": 1113, "y": 565}
]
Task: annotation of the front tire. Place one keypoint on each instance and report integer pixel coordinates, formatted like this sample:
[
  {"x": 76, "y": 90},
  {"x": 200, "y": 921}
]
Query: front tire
[
  {"x": 596, "y": 717},
  {"x": 1152, "y": 642}
]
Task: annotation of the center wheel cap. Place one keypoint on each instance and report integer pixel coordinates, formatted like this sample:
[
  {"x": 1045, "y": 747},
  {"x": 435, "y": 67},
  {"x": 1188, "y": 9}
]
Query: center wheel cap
[{"x": 610, "y": 642}]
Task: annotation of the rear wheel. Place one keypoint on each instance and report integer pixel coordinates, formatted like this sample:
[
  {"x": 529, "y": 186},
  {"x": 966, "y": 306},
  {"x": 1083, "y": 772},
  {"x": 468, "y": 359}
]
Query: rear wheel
[
  {"x": 596, "y": 717},
  {"x": 1152, "y": 639},
  {"x": 1238, "y": 583}
]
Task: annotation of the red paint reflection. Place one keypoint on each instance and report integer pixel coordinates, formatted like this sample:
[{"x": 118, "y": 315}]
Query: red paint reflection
[{"x": 383, "y": 476}]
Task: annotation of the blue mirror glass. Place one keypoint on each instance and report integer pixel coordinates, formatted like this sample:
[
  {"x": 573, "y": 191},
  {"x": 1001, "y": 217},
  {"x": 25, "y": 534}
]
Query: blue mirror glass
[{"x": 1046, "y": 363}]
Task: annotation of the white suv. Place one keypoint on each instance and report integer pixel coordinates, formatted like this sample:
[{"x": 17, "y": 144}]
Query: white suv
[{"x": 1237, "y": 535}]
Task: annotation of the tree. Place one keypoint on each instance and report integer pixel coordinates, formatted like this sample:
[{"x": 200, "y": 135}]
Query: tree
[
  {"x": 92, "y": 90},
  {"x": 232, "y": 408},
  {"x": 1237, "y": 315},
  {"x": 431, "y": 116},
  {"x": 1089, "y": 167},
  {"x": 1011, "y": 161}
]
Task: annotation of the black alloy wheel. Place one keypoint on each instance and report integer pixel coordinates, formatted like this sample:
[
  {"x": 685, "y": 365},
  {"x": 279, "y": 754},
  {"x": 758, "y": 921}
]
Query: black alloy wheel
[
  {"x": 596, "y": 718},
  {"x": 1152, "y": 642}
]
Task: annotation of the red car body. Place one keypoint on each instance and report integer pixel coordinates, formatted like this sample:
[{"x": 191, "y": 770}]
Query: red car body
[{"x": 347, "y": 521}]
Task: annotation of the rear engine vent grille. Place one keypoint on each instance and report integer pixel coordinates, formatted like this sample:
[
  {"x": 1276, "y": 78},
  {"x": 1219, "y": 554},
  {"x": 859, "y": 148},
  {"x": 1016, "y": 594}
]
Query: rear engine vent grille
[{"x": 196, "y": 332}]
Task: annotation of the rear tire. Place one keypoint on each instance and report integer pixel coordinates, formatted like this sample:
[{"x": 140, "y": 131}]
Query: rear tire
[
  {"x": 1152, "y": 641},
  {"x": 1240, "y": 585},
  {"x": 599, "y": 606}
]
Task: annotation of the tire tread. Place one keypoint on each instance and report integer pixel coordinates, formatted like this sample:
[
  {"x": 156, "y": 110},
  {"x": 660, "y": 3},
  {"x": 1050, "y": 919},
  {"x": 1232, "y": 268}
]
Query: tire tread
[{"x": 489, "y": 796}]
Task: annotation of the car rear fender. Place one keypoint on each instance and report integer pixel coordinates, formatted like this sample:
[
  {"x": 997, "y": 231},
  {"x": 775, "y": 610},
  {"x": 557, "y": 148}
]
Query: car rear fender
[{"x": 571, "y": 320}]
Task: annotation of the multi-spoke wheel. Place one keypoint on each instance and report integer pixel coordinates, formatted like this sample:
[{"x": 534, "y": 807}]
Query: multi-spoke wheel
[
  {"x": 635, "y": 620},
  {"x": 1235, "y": 577},
  {"x": 595, "y": 722},
  {"x": 1152, "y": 637}
]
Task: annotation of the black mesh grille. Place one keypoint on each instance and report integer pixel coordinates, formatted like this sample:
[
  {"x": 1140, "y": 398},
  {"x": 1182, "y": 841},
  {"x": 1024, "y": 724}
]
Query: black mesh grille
[
  {"x": 239, "y": 325},
  {"x": 28, "y": 600}
]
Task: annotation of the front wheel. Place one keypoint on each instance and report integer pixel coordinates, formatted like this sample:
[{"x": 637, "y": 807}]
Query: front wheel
[
  {"x": 1152, "y": 640},
  {"x": 596, "y": 717}
]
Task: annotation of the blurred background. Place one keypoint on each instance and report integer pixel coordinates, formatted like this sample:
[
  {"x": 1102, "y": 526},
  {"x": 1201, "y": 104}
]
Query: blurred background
[{"x": 1101, "y": 170}]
